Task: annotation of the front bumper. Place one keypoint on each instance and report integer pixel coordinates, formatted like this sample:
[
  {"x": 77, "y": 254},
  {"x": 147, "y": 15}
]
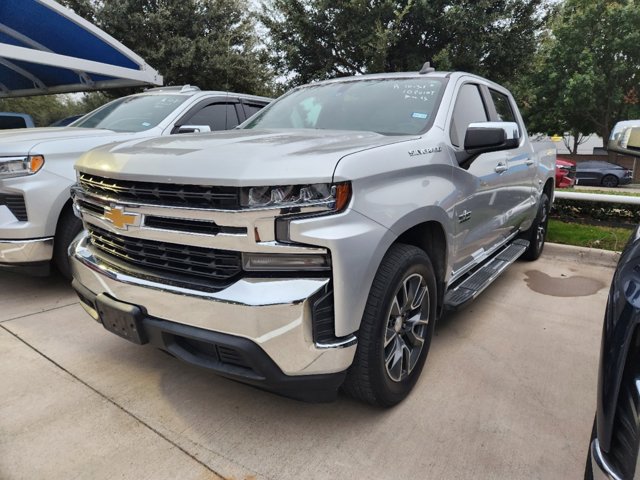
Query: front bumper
[
  {"x": 31, "y": 255},
  {"x": 267, "y": 315},
  {"x": 599, "y": 465}
]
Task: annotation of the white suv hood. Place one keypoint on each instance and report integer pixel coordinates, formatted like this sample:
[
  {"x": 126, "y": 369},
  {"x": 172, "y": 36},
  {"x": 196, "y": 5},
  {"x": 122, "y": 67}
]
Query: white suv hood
[
  {"x": 22, "y": 141},
  {"x": 237, "y": 157}
]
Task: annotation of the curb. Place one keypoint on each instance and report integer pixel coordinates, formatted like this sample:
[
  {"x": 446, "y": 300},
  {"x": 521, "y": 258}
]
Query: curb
[{"x": 591, "y": 256}]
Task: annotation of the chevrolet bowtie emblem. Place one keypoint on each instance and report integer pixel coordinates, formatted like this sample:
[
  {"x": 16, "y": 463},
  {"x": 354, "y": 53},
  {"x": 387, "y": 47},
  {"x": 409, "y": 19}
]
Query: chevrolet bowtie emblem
[{"x": 119, "y": 218}]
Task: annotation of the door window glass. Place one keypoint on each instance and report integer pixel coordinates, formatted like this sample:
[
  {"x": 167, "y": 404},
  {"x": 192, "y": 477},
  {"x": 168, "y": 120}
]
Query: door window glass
[
  {"x": 503, "y": 107},
  {"x": 469, "y": 109},
  {"x": 219, "y": 116}
]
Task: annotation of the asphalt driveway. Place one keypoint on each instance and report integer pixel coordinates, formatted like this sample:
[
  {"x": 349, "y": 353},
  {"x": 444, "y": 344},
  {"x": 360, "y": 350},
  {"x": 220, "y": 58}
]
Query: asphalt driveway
[{"x": 508, "y": 392}]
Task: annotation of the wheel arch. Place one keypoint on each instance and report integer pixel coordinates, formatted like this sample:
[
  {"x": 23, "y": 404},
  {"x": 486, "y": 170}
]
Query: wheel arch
[{"x": 430, "y": 237}]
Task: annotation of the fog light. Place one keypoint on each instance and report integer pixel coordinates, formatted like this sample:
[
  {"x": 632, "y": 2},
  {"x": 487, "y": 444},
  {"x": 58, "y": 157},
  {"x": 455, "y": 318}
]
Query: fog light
[{"x": 260, "y": 262}]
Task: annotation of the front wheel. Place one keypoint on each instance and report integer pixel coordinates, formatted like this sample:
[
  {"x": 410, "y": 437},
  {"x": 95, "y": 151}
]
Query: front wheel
[
  {"x": 610, "y": 181},
  {"x": 396, "y": 329},
  {"x": 68, "y": 227},
  {"x": 537, "y": 234}
]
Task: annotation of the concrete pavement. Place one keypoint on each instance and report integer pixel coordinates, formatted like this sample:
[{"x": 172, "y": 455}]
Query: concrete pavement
[{"x": 508, "y": 392}]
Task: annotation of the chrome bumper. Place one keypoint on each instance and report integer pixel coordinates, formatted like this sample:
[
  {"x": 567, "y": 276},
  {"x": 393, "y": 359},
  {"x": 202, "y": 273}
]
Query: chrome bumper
[
  {"x": 601, "y": 468},
  {"x": 273, "y": 313},
  {"x": 26, "y": 251}
]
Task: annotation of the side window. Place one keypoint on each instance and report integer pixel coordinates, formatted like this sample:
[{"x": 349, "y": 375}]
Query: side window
[
  {"x": 503, "y": 107},
  {"x": 219, "y": 116},
  {"x": 469, "y": 109},
  {"x": 252, "y": 108}
]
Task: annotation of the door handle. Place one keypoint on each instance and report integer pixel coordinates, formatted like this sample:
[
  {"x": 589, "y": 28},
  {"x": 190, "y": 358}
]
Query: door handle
[
  {"x": 529, "y": 162},
  {"x": 501, "y": 167}
]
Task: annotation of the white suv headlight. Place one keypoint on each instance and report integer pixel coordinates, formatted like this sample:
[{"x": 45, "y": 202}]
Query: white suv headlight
[{"x": 20, "y": 166}]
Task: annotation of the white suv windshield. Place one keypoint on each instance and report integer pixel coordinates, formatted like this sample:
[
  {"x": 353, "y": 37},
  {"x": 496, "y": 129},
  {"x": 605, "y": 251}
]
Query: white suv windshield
[
  {"x": 395, "y": 106},
  {"x": 132, "y": 114}
]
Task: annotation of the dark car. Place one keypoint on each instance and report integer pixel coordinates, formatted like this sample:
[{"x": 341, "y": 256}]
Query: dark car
[
  {"x": 600, "y": 173},
  {"x": 615, "y": 441},
  {"x": 63, "y": 122}
]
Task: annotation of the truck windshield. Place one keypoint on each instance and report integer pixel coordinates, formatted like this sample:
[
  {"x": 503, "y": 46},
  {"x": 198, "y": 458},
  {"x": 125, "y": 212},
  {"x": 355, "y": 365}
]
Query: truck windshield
[
  {"x": 132, "y": 114},
  {"x": 391, "y": 106}
]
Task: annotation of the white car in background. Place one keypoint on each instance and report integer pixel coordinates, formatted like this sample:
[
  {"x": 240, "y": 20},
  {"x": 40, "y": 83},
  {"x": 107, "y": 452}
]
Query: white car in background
[{"x": 36, "y": 164}]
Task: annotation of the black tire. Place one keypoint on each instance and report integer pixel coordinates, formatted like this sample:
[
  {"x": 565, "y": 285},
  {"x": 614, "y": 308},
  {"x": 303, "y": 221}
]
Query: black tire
[
  {"x": 610, "y": 181},
  {"x": 537, "y": 233},
  {"x": 68, "y": 227},
  {"x": 406, "y": 277}
]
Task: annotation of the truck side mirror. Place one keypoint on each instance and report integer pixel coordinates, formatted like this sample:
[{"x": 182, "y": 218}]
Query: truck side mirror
[
  {"x": 625, "y": 138},
  {"x": 193, "y": 129},
  {"x": 486, "y": 137}
]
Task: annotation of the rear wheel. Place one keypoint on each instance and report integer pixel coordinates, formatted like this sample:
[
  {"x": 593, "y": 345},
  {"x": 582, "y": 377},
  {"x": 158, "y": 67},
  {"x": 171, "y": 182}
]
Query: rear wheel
[
  {"x": 610, "y": 181},
  {"x": 68, "y": 227},
  {"x": 396, "y": 329},
  {"x": 537, "y": 234}
]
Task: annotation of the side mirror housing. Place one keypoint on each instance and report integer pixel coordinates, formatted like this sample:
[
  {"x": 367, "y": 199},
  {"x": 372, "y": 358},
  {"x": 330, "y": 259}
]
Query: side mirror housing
[
  {"x": 193, "y": 129},
  {"x": 625, "y": 138},
  {"x": 486, "y": 137}
]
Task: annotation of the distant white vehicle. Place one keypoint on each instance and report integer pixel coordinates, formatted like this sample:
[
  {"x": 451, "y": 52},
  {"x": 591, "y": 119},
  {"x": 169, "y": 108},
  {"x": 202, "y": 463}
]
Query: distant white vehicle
[{"x": 36, "y": 164}]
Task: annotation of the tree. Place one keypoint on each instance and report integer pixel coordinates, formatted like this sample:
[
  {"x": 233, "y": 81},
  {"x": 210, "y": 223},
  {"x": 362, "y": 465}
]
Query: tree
[
  {"x": 318, "y": 39},
  {"x": 585, "y": 77},
  {"x": 46, "y": 109},
  {"x": 209, "y": 43}
]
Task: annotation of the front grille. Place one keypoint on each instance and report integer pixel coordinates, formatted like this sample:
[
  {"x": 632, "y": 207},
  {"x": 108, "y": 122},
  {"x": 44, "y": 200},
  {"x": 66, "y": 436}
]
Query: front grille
[
  {"x": 183, "y": 260},
  {"x": 191, "y": 226},
  {"x": 16, "y": 205},
  {"x": 166, "y": 194}
]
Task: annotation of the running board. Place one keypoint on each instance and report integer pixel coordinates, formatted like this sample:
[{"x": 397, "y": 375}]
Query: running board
[{"x": 474, "y": 284}]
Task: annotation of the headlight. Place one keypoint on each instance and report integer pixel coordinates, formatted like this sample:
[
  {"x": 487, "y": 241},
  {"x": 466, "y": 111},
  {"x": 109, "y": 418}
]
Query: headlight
[
  {"x": 20, "y": 166},
  {"x": 332, "y": 197}
]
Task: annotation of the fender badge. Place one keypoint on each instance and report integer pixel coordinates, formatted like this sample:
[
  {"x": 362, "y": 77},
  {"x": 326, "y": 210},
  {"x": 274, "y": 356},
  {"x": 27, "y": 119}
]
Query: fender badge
[
  {"x": 119, "y": 218},
  {"x": 424, "y": 151}
]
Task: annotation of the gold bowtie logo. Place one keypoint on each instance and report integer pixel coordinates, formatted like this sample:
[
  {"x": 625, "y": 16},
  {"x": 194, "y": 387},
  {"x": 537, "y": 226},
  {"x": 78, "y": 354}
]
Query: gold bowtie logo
[{"x": 119, "y": 218}]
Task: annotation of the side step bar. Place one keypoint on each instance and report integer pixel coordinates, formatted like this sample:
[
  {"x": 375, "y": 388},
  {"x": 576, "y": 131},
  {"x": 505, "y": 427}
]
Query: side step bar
[{"x": 474, "y": 284}]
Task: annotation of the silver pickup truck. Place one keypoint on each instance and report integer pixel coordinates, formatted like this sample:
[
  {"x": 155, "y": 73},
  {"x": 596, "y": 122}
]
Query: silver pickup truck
[
  {"x": 36, "y": 164},
  {"x": 315, "y": 246}
]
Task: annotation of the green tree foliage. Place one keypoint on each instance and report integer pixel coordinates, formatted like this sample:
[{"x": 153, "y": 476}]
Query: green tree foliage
[
  {"x": 318, "y": 39},
  {"x": 209, "y": 43},
  {"x": 46, "y": 109},
  {"x": 586, "y": 75}
]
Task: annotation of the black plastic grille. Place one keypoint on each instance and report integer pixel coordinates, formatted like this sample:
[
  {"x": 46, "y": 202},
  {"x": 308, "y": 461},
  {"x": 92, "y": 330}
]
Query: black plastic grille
[
  {"x": 16, "y": 205},
  {"x": 218, "y": 265},
  {"x": 212, "y": 351},
  {"x": 192, "y": 196},
  {"x": 191, "y": 226},
  {"x": 323, "y": 316}
]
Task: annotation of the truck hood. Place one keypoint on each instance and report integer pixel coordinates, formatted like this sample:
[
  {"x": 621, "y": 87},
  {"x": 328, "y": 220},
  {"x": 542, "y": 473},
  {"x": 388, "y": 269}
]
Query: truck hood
[
  {"x": 24, "y": 140},
  {"x": 234, "y": 158}
]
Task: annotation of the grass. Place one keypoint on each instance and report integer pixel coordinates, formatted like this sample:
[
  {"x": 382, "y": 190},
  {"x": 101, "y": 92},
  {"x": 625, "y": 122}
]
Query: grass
[{"x": 592, "y": 236}]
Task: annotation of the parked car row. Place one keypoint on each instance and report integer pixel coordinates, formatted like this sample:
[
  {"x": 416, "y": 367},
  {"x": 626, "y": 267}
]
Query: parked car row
[
  {"x": 591, "y": 173},
  {"x": 299, "y": 212}
]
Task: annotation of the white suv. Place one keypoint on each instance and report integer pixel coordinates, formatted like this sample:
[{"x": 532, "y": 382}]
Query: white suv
[{"x": 36, "y": 165}]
